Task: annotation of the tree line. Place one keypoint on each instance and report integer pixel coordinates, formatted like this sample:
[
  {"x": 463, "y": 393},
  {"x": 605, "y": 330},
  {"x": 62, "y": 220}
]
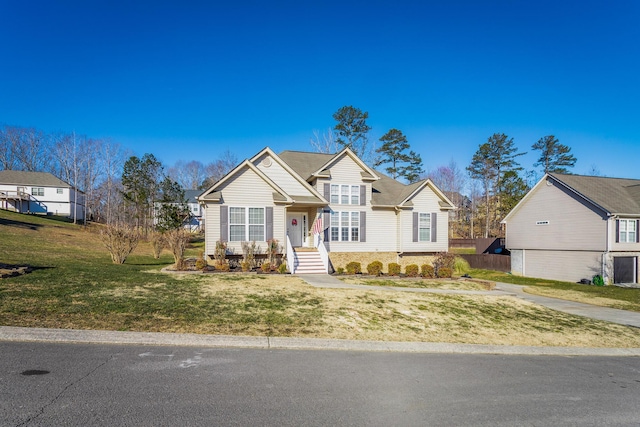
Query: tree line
[
  {"x": 118, "y": 186},
  {"x": 484, "y": 192}
]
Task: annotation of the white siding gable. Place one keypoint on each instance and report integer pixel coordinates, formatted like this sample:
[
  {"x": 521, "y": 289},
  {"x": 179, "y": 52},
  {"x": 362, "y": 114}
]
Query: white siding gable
[
  {"x": 425, "y": 201},
  {"x": 280, "y": 176}
]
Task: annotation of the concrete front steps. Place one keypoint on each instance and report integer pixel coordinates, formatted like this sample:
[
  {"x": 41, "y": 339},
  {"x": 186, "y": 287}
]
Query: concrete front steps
[{"x": 309, "y": 262}]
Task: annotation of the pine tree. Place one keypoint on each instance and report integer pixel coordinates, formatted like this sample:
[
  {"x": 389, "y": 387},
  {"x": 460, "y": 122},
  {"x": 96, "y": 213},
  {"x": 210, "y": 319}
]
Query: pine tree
[
  {"x": 554, "y": 157},
  {"x": 394, "y": 152}
]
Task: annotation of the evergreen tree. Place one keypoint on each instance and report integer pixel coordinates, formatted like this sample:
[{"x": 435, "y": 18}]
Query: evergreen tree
[
  {"x": 394, "y": 152},
  {"x": 554, "y": 157},
  {"x": 489, "y": 164},
  {"x": 352, "y": 130}
]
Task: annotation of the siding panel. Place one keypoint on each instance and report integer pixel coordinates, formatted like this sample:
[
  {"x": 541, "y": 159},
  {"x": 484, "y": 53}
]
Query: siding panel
[{"x": 572, "y": 225}]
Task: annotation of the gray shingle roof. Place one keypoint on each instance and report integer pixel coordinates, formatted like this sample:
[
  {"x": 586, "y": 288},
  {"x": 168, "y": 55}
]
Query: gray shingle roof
[
  {"x": 304, "y": 164},
  {"x": 44, "y": 179},
  {"x": 615, "y": 195},
  {"x": 386, "y": 191}
]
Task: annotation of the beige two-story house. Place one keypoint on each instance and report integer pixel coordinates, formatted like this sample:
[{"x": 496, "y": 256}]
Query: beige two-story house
[
  {"x": 573, "y": 227},
  {"x": 332, "y": 203}
]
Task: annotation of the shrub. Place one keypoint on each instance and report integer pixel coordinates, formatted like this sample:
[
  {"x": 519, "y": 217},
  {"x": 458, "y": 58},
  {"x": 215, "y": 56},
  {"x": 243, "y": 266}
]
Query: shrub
[
  {"x": 282, "y": 268},
  {"x": 427, "y": 270},
  {"x": 221, "y": 267},
  {"x": 444, "y": 259},
  {"x": 273, "y": 249},
  {"x": 266, "y": 267},
  {"x": 394, "y": 269},
  {"x": 220, "y": 253},
  {"x": 245, "y": 266},
  {"x": 354, "y": 268},
  {"x": 249, "y": 251},
  {"x": 444, "y": 272},
  {"x": 598, "y": 280},
  {"x": 157, "y": 243},
  {"x": 120, "y": 241},
  {"x": 177, "y": 240},
  {"x": 460, "y": 266},
  {"x": 201, "y": 264},
  {"x": 412, "y": 270},
  {"x": 340, "y": 270},
  {"x": 375, "y": 268}
]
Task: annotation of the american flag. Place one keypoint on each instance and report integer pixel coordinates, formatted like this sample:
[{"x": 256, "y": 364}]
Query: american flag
[{"x": 317, "y": 226}]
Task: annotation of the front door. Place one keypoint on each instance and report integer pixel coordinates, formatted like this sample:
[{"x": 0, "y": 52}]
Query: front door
[
  {"x": 624, "y": 269},
  {"x": 296, "y": 224}
]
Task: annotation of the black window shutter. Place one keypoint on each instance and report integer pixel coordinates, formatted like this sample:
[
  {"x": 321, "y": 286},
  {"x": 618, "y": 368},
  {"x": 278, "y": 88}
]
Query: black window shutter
[
  {"x": 363, "y": 195},
  {"x": 617, "y": 231},
  {"x": 224, "y": 223},
  {"x": 363, "y": 226},
  {"x": 434, "y": 227},
  {"x": 327, "y": 192},
  {"x": 268, "y": 216},
  {"x": 415, "y": 226},
  {"x": 637, "y": 225}
]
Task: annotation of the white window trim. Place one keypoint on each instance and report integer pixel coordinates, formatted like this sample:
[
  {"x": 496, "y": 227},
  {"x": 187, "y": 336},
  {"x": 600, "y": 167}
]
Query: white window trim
[
  {"x": 340, "y": 226},
  {"x": 247, "y": 224},
  {"x": 352, "y": 192},
  {"x": 37, "y": 191},
  {"x": 421, "y": 227},
  {"x": 624, "y": 223}
]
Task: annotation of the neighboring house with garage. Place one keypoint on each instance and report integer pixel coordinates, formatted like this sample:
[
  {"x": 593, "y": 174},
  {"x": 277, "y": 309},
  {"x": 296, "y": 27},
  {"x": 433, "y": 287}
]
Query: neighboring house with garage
[
  {"x": 329, "y": 207},
  {"x": 573, "y": 227},
  {"x": 40, "y": 193}
]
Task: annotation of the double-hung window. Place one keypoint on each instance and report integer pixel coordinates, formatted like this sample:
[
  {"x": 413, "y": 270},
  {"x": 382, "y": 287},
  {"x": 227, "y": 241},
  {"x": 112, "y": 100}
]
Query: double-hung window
[
  {"x": 37, "y": 191},
  {"x": 345, "y": 226},
  {"x": 343, "y": 194},
  {"x": 246, "y": 224},
  {"x": 424, "y": 227},
  {"x": 627, "y": 231}
]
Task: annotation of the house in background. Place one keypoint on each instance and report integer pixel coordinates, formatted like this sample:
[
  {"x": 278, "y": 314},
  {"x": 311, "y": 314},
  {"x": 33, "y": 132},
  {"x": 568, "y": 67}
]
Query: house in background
[
  {"x": 325, "y": 209},
  {"x": 194, "y": 223},
  {"x": 572, "y": 227},
  {"x": 40, "y": 193}
]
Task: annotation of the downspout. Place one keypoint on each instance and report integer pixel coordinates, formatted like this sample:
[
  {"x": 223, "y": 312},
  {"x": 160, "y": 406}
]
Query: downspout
[{"x": 605, "y": 255}]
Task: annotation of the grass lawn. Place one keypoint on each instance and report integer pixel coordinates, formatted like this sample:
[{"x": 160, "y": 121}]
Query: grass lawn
[
  {"x": 606, "y": 296},
  {"x": 75, "y": 285},
  {"x": 407, "y": 282}
]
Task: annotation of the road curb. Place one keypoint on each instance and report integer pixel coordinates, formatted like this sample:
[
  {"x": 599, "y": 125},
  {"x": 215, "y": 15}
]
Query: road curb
[{"x": 21, "y": 334}]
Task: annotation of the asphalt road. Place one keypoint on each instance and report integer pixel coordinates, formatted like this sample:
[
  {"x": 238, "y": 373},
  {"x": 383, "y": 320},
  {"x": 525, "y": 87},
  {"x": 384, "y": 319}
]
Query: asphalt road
[{"x": 130, "y": 385}]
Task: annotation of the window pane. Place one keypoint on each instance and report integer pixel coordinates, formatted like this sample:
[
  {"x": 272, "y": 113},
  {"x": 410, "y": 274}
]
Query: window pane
[
  {"x": 355, "y": 194},
  {"x": 256, "y": 216},
  {"x": 236, "y": 215},
  {"x": 425, "y": 235},
  {"x": 355, "y": 219},
  {"x": 335, "y": 193},
  {"x": 236, "y": 233},
  {"x": 355, "y": 231},
  {"x": 344, "y": 218},
  {"x": 344, "y": 194},
  {"x": 334, "y": 234},
  {"x": 345, "y": 234},
  {"x": 256, "y": 232},
  {"x": 335, "y": 219}
]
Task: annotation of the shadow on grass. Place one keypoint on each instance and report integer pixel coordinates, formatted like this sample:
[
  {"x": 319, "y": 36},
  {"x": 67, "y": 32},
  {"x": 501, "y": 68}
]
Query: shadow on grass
[{"x": 19, "y": 224}]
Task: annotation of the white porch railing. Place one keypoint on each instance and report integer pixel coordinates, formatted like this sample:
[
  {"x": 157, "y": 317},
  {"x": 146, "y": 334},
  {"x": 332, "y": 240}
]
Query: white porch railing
[
  {"x": 292, "y": 260},
  {"x": 322, "y": 250}
]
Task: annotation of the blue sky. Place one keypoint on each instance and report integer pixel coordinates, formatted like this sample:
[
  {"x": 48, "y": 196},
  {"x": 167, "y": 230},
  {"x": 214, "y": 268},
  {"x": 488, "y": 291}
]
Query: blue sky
[{"x": 188, "y": 80}]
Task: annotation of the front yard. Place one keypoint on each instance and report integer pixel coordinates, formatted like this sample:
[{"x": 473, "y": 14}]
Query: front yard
[{"x": 74, "y": 285}]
